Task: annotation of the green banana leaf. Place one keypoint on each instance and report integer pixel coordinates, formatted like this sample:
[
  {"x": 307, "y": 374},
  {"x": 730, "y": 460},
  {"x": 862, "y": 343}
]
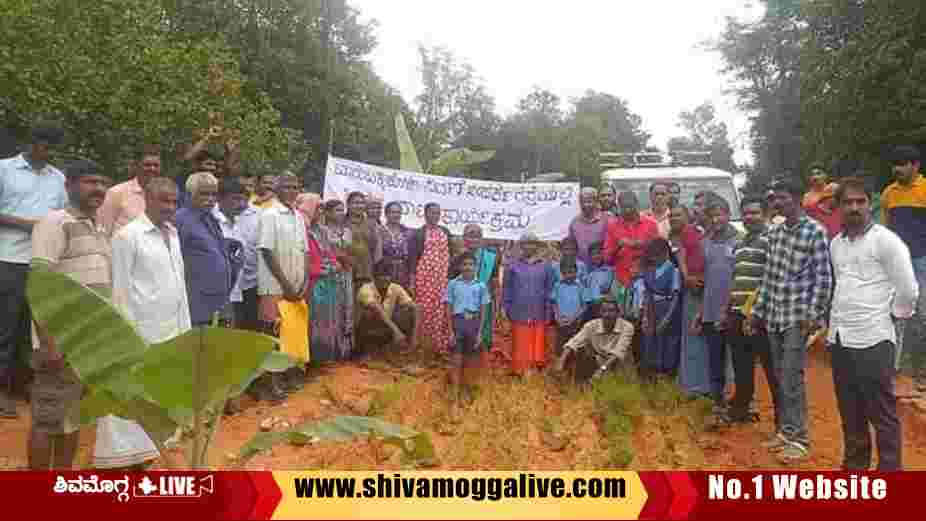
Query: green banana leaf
[
  {"x": 408, "y": 157},
  {"x": 416, "y": 446},
  {"x": 274, "y": 362},
  {"x": 459, "y": 158},
  {"x": 94, "y": 337},
  {"x": 154, "y": 419},
  {"x": 201, "y": 367}
]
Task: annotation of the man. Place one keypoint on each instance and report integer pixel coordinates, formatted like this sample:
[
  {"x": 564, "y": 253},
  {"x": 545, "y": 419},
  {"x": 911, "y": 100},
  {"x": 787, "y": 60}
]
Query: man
[
  {"x": 212, "y": 263},
  {"x": 126, "y": 201},
  {"x": 599, "y": 344},
  {"x": 750, "y": 257},
  {"x": 699, "y": 212},
  {"x": 590, "y": 226},
  {"x": 903, "y": 211},
  {"x": 30, "y": 188},
  {"x": 149, "y": 288},
  {"x": 263, "y": 192},
  {"x": 282, "y": 266},
  {"x": 792, "y": 303},
  {"x": 719, "y": 246},
  {"x": 607, "y": 198},
  {"x": 818, "y": 185},
  {"x": 241, "y": 222},
  {"x": 248, "y": 183},
  {"x": 826, "y": 211},
  {"x": 387, "y": 312},
  {"x": 149, "y": 282},
  {"x": 659, "y": 198},
  {"x": 627, "y": 237},
  {"x": 875, "y": 285},
  {"x": 69, "y": 241}
]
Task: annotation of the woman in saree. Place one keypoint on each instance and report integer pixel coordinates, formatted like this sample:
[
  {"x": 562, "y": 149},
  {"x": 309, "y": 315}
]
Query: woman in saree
[
  {"x": 660, "y": 311},
  {"x": 331, "y": 319},
  {"x": 429, "y": 264},
  {"x": 395, "y": 244}
]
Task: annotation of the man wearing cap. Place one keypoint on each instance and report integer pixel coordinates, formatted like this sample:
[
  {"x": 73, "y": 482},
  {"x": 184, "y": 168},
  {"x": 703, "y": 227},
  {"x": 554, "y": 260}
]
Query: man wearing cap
[
  {"x": 30, "y": 188},
  {"x": 903, "y": 211},
  {"x": 126, "y": 201},
  {"x": 590, "y": 226},
  {"x": 69, "y": 241}
]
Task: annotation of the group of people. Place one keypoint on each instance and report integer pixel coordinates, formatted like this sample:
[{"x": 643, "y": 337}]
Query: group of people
[{"x": 676, "y": 290}]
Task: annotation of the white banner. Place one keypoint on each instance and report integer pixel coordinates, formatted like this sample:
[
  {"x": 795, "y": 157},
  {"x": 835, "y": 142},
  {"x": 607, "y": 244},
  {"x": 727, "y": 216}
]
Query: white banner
[{"x": 504, "y": 210}]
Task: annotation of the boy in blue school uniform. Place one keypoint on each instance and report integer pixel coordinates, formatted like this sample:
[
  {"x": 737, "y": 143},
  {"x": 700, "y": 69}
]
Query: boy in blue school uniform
[
  {"x": 569, "y": 252},
  {"x": 467, "y": 302},
  {"x": 568, "y": 298},
  {"x": 600, "y": 281}
]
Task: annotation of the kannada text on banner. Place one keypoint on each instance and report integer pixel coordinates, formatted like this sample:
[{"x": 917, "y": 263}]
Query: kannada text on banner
[{"x": 505, "y": 211}]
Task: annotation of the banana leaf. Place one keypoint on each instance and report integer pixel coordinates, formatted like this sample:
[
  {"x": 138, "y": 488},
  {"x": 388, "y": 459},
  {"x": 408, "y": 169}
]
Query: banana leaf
[
  {"x": 415, "y": 446},
  {"x": 154, "y": 419},
  {"x": 201, "y": 367},
  {"x": 408, "y": 157},
  {"x": 459, "y": 158},
  {"x": 274, "y": 362},
  {"x": 95, "y": 338}
]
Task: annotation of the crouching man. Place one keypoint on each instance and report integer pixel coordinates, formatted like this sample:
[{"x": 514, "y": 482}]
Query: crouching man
[
  {"x": 386, "y": 313},
  {"x": 599, "y": 344}
]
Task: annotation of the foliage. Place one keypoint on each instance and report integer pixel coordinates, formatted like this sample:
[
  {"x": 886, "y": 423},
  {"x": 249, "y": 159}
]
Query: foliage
[
  {"x": 706, "y": 134},
  {"x": 416, "y": 447},
  {"x": 116, "y": 78},
  {"x": 763, "y": 59},
  {"x": 457, "y": 158},
  {"x": 158, "y": 385},
  {"x": 862, "y": 68}
]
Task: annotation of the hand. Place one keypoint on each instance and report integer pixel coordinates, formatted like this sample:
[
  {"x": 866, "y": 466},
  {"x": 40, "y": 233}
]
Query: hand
[
  {"x": 635, "y": 243},
  {"x": 621, "y": 243},
  {"x": 291, "y": 294},
  {"x": 728, "y": 391},
  {"x": 694, "y": 282}
]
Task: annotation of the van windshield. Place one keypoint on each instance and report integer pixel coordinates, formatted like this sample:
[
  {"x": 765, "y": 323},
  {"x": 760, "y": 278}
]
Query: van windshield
[{"x": 684, "y": 189}]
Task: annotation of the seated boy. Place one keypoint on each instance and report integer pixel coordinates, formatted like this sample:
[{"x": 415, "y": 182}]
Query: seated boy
[
  {"x": 568, "y": 299},
  {"x": 599, "y": 344},
  {"x": 467, "y": 302},
  {"x": 386, "y": 314},
  {"x": 600, "y": 280}
]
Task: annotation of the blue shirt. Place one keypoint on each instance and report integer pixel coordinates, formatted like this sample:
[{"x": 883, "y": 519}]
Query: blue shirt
[
  {"x": 581, "y": 272},
  {"x": 568, "y": 297},
  {"x": 466, "y": 296},
  {"x": 599, "y": 283},
  {"x": 26, "y": 193}
]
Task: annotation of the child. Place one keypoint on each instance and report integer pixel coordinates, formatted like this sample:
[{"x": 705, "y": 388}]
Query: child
[
  {"x": 659, "y": 300},
  {"x": 569, "y": 251},
  {"x": 600, "y": 280},
  {"x": 467, "y": 302},
  {"x": 568, "y": 302}
]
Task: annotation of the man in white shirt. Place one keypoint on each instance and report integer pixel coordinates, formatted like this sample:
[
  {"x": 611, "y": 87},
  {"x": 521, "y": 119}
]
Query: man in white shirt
[
  {"x": 875, "y": 286},
  {"x": 149, "y": 285}
]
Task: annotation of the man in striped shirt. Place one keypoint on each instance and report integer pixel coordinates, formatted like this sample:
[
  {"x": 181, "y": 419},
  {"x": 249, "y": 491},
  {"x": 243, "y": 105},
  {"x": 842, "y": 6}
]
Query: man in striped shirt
[
  {"x": 792, "y": 303},
  {"x": 745, "y": 344}
]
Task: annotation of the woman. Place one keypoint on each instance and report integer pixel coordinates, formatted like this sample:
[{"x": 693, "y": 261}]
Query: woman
[
  {"x": 395, "y": 244},
  {"x": 528, "y": 282},
  {"x": 661, "y": 311},
  {"x": 364, "y": 248},
  {"x": 332, "y": 302},
  {"x": 429, "y": 262},
  {"x": 694, "y": 368}
]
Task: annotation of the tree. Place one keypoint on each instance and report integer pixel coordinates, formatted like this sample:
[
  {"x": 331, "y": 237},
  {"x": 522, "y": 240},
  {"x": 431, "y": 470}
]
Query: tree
[
  {"x": 706, "y": 134},
  {"x": 764, "y": 59},
  {"x": 116, "y": 78}
]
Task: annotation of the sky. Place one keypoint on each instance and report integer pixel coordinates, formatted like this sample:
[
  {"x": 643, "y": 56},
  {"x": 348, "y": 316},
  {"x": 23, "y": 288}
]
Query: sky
[{"x": 647, "y": 52}]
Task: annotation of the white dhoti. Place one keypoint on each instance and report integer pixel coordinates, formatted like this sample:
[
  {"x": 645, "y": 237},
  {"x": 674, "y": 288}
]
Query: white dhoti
[{"x": 121, "y": 443}]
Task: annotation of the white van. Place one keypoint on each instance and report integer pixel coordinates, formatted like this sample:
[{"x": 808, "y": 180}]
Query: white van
[{"x": 684, "y": 183}]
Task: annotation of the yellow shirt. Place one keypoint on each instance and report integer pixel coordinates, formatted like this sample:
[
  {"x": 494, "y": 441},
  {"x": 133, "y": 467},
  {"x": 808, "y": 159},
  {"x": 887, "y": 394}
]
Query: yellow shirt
[
  {"x": 263, "y": 205},
  {"x": 395, "y": 295}
]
